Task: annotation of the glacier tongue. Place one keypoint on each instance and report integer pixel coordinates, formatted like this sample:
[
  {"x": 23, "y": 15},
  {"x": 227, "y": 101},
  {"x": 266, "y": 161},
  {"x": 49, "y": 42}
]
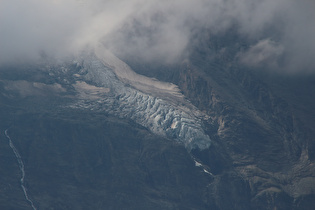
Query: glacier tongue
[
  {"x": 140, "y": 82},
  {"x": 148, "y": 102}
]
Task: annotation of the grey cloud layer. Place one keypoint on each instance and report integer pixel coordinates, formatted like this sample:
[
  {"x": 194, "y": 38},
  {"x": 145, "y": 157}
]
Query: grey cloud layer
[{"x": 157, "y": 29}]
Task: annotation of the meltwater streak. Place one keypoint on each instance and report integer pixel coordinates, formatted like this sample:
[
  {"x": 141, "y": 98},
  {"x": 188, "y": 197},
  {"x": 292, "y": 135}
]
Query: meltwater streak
[{"x": 21, "y": 166}]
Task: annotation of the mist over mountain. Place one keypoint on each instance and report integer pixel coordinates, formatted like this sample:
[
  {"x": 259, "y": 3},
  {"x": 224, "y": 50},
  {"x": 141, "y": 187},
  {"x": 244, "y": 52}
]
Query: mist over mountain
[
  {"x": 157, "y": 104},
  {"x": 278, "y": 33}
]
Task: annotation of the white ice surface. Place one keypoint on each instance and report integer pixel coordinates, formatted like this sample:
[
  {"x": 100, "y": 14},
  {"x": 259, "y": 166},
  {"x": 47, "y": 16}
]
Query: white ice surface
[{"x": 151, "y": 103}]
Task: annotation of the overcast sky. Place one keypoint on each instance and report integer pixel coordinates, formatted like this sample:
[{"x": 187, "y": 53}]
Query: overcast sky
[{"x": 158, "y": 29}]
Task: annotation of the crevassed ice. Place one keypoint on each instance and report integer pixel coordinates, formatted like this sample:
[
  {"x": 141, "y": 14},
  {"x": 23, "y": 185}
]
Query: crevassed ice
[{"x": 158, "y": 114}]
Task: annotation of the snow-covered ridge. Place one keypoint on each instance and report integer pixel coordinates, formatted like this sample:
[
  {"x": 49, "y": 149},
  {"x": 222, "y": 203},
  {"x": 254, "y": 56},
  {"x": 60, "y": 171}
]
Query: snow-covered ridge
[{"x": 151, "y": 103}]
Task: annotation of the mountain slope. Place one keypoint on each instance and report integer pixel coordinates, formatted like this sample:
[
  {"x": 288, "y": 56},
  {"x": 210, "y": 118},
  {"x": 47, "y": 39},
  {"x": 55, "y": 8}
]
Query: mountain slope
[{"x": 92, "y": 139}]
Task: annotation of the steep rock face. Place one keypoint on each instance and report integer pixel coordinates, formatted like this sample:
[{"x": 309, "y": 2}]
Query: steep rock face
[
  {"x": 261, "y": 124},
  {"x": 258, "y": 132},
  {"x": 83, "y": 160}
]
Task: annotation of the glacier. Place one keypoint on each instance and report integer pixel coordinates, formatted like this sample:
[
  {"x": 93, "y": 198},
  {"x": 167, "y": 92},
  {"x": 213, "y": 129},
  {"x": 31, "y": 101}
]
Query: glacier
[{"x": 107, "y": 84}]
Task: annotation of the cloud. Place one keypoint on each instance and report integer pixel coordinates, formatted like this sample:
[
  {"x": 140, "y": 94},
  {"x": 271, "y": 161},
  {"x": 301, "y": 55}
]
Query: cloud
[
  {"x": 29, "y": 27},
  {"x": 265, "y": 52},
  {"x": 58, "y": 28},
  {"x": 158, "y": 30}
]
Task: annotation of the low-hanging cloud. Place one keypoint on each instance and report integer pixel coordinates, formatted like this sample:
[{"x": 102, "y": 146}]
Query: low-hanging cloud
[
  {"x": 158, "y": 30},
  {"x": 265, "y": 52}
]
